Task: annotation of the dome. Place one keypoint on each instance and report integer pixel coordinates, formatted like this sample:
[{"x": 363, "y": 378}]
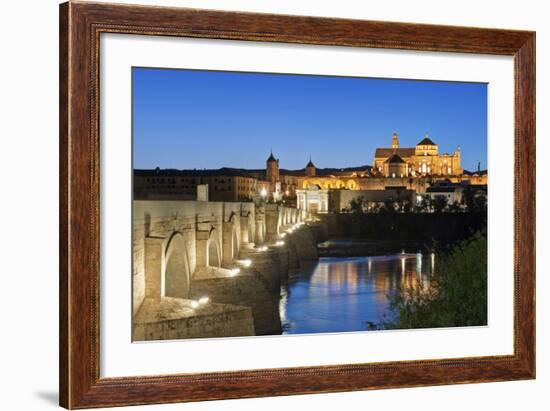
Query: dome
[{"x": 426, "y": 141}]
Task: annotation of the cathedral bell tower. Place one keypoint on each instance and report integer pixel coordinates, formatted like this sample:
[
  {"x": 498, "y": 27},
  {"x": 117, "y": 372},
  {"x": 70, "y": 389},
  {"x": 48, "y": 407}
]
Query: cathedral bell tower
[
  {"x": 310, "y": 169},
  {"x": 272, "y": 169},
  {"x": 394, "y": 140}
]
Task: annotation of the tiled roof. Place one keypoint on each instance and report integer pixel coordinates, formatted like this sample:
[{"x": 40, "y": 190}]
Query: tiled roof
[
  {"x": 394, "y": 159},
  {"x": 402, "y": 152}
]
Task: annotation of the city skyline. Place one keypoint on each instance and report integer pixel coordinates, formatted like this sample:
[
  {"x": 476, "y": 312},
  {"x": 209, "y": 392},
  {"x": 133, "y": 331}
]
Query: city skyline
[{"x": 181, "y": 116}]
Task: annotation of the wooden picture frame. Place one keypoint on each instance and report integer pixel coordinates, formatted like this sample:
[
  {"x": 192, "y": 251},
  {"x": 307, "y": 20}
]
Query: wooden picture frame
[{"x": 80, "y": 27}]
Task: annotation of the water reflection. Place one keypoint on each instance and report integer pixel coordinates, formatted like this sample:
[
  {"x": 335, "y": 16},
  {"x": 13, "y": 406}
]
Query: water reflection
[{"x": 344, "y": 294}]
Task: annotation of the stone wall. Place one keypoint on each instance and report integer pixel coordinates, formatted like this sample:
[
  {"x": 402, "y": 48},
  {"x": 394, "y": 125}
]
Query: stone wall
[
  {"x": 425, "y": 229},
  {"x": 304, "y": 244},
  {"x": 247, "y": 289},
  {"x": 172, "y": 318}
]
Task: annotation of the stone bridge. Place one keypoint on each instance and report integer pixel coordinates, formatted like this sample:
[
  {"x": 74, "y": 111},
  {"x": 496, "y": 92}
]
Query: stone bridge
[{"x": 212, "y": 269}]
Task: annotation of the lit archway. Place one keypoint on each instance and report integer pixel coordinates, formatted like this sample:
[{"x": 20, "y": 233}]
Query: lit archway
[
  {"x": 177, "y": 276},
  {"x": 214, "y": 249}
]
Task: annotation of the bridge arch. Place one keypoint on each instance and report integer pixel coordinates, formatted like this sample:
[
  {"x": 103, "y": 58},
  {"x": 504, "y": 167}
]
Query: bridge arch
[
  {"x": 214, "y": 249},
  {"x": 177, "y": 274}
]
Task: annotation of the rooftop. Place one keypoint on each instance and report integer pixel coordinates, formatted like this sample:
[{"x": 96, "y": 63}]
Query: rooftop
[
  {"x": 242, "y": 172},
  {"x": 271, "y": 157},
  {"x": 395, "y": 159},
  {"x": 426, "y": 142},
  {"x": 403, "y": 152}
]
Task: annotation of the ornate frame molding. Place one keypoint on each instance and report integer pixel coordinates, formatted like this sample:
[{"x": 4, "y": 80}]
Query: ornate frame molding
[{"x": 81, "y": 24}]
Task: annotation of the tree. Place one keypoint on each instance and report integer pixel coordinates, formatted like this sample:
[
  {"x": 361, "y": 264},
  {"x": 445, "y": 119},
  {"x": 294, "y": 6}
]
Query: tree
[
  {"x": 454, "y": 207},
  {"x": 457, "y": 294},
  {"x": 439, "y": 203},
  {"x": 373, "y": 207},
  {"x": 400, "y": 200},
  {"x": 425, "y": 205},
  {"x": 389, "y": 206},
  {"x": 468, "y": 199},
  {"x": 480, "y": 202},
  {"x": 356, "y": 205}
]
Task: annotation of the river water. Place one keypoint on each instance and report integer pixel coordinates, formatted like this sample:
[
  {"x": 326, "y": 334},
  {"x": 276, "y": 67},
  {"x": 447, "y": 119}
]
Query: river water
[{"x": 345, "y": 294}]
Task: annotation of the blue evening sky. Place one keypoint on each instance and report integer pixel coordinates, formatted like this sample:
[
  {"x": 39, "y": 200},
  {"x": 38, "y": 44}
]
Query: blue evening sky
[{"x": 205, "y": 119}]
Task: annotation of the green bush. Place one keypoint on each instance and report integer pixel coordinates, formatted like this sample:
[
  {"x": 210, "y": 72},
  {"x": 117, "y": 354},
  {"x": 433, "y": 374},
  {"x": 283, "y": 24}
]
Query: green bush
[{"x": 456, "y": 295}]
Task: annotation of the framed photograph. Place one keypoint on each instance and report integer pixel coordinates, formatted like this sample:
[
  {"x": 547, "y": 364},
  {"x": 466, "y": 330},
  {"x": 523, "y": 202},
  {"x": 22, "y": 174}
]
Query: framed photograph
[{"x": 259, "y": 205}]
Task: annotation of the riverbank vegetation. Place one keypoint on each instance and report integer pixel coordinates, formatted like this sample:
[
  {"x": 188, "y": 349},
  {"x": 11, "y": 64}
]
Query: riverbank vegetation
[
  {"x": 472, "y": 200},
  {"x": 455, "y": 297}
]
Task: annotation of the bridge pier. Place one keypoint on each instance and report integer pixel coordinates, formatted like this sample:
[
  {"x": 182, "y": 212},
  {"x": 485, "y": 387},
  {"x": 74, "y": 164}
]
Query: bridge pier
[
  {"x": 259, "y": 222},
  {"x": 246, "y": 240},
  {"x": 272, "y": 222},
  {"x": 201, "y": 243},
  {"x": 154, "y": 266},
  {"x": 230, "y": 241}
]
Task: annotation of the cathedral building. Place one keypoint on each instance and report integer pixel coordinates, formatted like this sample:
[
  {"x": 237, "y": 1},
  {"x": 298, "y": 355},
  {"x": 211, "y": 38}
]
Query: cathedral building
[{"x": 422, "y": 160}]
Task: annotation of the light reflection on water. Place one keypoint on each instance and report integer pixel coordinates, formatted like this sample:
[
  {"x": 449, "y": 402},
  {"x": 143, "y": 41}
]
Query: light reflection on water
[{"x": 344, "y": 294}]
